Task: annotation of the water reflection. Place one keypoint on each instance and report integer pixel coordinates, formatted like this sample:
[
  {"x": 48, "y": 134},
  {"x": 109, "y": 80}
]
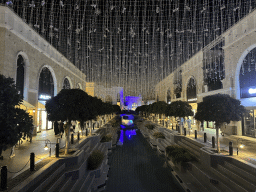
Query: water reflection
[
  {"x": 128, "y": 133},
  {"x": 121, "y": 139}
]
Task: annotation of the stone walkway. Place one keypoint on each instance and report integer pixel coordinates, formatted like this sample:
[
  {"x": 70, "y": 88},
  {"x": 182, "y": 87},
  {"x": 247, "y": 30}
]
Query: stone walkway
[
  {"x": 20, "y": 162},
  {"x": 136, "y": 167},
  {"x": 247, "y": 153}
]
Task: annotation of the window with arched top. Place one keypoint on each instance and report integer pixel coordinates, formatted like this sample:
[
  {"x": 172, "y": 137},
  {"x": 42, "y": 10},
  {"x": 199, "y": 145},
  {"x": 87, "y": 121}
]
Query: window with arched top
[
  {"x": 66, "y": 84},
  {"x": 78, "y": 86},
  {"x": 191, "y": 89},
  {"x": 118, "y": 97},
  {"x": 20, "y": 75},
  {"x": 46, "y": 84},
  {"x": 168, "y": 99},
  {"x": 247, "y": 76}
]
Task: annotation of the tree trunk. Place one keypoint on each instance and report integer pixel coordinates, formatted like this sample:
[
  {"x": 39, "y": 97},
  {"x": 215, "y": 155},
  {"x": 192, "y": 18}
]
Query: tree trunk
[
  {"x": 67, "y": 137},
  {"x": 181, "y": 126},
  {"x": 217, "y": 138},
  {"x": 90, "y": 127}
]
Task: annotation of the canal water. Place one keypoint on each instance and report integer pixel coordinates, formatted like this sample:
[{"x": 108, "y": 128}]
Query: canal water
[{"x": 136, "y": 167}]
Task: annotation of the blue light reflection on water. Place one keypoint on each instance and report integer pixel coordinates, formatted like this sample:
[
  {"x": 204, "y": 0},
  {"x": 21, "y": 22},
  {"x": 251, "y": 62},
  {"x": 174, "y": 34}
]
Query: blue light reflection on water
[
  {"x": 129, "y": 133},
  {"x": 121, "y": 139},
  {"x": 122, "y": 126}
]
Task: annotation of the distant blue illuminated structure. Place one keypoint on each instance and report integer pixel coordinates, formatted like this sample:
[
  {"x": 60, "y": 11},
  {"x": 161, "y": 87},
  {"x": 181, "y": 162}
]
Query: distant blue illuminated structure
[{"x": 132, "y": 102}]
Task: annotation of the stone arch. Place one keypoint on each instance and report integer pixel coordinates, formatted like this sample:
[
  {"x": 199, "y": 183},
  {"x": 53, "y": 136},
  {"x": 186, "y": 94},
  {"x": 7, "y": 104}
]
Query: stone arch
[
  {"x": 191, "y": 93},
  {"x": 53, "y": 77},
  {"x": 238, "y": 67},
  {"x": 65, "y": 80},
  {"x": 78, "y": 86},
  {"x": 26, "y": 64}
]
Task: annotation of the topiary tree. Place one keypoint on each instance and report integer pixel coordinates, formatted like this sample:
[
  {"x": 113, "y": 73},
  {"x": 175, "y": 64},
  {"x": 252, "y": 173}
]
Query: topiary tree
[
  {"x": 220, "y": 108},
  {"x": 14, "y": 122},
  {"x": 116, "y": 109},
  {"x": 70, "y": 105},
  {"x": 158, "y": 107},
  {"x": 143, "y": 109},
  {"x": 179, "y": 109}
]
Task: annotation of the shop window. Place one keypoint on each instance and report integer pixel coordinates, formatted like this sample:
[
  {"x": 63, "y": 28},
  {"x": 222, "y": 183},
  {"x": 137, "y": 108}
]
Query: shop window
[
  {"x": 20, "y": 75},
  {"x": 46, "y": 86},
  {"x": 247, "y": 76},
  {"x": 191, "y": 89},
  {"x": 168, "y": 96}
]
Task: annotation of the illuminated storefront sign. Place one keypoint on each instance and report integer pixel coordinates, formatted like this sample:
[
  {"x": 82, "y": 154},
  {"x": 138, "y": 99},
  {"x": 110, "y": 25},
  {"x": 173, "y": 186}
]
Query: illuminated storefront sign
[
  {"x": 193, "y": 99},
  {"x": 44, "y": 97},
  {"x": 252, "y": 90}
]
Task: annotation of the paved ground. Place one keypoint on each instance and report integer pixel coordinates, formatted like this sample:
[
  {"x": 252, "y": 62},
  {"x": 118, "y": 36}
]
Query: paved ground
[
  {"x": 135, "y": 152},
  {"x": 247, "y": 153},
  {"x": 20, "y": 161},
  {"x": 135, "y": 166}
]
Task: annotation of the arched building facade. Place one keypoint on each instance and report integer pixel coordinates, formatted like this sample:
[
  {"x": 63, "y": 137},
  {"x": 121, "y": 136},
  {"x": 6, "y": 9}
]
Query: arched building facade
[
  {"x": 38, "y": 69},
  {"x": 227, "y": 66}
]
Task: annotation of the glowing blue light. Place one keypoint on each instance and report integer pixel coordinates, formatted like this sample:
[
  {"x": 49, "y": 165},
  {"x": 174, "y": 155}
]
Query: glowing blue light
[
  {"x": 121, "y": 139},
  {"x": 252, "y": 91},
  {"x": 122, "y": 126}
]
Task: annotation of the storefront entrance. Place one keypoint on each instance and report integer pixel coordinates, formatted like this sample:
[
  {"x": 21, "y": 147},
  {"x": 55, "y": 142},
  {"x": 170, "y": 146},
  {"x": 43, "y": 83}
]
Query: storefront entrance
[
  {"x": 42, "y": 121},
  {"x": 248, "y": 124}
]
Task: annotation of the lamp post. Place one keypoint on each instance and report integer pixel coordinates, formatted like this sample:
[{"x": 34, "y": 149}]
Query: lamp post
[
  {"x": 241, "y": 145},
  {"x": 46, "y": 147}
]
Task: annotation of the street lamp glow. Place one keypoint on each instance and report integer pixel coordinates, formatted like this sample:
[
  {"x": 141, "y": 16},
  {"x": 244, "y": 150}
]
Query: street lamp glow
[
  {"x": 252, "y": 91},
  {"x": 46, "y": 147}
]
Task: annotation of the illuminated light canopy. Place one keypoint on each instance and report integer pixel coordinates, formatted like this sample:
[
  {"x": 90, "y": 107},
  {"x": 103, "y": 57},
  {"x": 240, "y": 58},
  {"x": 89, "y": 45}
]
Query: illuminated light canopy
[{"x": 252, "y": 90}]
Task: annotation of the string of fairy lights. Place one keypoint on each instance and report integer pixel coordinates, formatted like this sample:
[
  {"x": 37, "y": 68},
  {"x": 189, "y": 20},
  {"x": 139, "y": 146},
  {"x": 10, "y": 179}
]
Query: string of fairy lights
[{"x": 134, "y": 44}]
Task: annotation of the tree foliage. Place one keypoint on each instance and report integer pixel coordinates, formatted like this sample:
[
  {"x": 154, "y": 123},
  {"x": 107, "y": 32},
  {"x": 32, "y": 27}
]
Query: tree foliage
[
  {"x": 179, "y": 109},
  {"x": 220, "y": 108},
  {"x": 143, "y": 108},
  {"x": 71, "y": 105},
  {"x": 14, "y": 122},
  {"x": 158, "y": 107}
]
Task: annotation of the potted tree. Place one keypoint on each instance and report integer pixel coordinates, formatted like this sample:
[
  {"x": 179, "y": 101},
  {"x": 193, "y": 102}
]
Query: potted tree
[
  {"x": 70, "y": 105},
  {"x": 220, "y": 108},
  {"x": 179, "y": 109},
  {"x": 14, "y": 122}
]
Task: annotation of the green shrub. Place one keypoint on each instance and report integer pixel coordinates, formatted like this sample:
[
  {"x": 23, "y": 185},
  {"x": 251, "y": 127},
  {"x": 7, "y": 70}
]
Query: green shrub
[
  {"x": 116, "y": 123},
  {"x": 106, "y": 138},
  {"x": 179, "y": 154},
  {"x": 159, "y": 135},
  {"x": 95, "y": 159},
  {"x": 149, "y": 126}
]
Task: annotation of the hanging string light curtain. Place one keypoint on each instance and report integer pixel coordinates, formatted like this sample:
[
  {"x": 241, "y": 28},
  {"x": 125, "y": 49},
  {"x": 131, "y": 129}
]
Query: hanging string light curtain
[{"x": 132, "y": 43}]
